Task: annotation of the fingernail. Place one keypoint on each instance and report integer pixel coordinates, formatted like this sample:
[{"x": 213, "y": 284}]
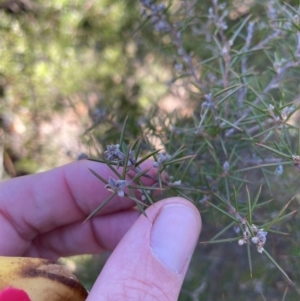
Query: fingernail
[{"x": 174, "y": 236}]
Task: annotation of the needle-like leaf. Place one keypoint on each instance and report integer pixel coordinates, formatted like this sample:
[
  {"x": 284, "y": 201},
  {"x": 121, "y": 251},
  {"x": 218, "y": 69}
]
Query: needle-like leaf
[
  {"x": 277, "y": 265},
  {"x": 100, "y": 207}
]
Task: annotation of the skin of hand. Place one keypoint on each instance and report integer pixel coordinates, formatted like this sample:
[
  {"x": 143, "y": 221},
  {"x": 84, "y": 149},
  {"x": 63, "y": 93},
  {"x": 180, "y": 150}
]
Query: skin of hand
[{"x": 41, "y": 215}]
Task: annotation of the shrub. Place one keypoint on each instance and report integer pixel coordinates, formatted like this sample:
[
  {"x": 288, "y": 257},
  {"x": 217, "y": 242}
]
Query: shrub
[{"x": 234, "y": 151}]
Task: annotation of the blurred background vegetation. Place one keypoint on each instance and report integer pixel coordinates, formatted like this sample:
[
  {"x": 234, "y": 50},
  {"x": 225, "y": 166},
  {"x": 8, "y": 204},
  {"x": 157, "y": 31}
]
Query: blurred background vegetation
[
  {"x": 65, "y": 65},
  {"x": 71, "y": 71}
]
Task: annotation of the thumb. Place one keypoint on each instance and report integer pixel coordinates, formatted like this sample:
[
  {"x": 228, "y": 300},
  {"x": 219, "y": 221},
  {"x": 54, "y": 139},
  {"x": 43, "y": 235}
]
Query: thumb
[{"x": 151, "y": 260}]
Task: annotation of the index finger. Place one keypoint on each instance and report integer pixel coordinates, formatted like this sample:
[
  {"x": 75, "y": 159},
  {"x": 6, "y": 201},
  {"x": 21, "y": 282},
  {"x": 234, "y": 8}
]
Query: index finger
[{"x": 39, "y": 203}]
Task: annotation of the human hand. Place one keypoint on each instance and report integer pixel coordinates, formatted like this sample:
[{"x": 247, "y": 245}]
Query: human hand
[{"x": 41, "y": 216}]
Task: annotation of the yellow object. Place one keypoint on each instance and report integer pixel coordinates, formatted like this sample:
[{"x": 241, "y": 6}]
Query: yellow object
[{"x": 43, "y": 280}]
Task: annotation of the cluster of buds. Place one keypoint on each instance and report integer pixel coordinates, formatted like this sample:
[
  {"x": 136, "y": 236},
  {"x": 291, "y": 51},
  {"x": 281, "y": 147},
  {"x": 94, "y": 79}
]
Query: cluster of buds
[
  {"x": 156, "y": 13},
  {"x": 162, "y": 158},
  {"x": 226, "y": 167},
  {"x": 175, "y": 183},
  {"x": 143, "y": 194},
  {"x": 113, "y": 153},
  {"x": 209, "y": 101},
  {"x": 117, "y": 186},
  {"x": 296, "y": 160},
  {"x": 259, "y": 237},
  {"x": 286, "y": 112},
  {"x": 279, "y": 170},
  {"x": 214, "y": 16},
  {"x": 170, "y": 180},
  {"x": 131, "y": 159}
]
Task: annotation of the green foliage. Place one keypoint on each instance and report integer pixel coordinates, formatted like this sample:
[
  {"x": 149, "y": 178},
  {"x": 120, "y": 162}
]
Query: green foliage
[{"x": 231, "y": 145}]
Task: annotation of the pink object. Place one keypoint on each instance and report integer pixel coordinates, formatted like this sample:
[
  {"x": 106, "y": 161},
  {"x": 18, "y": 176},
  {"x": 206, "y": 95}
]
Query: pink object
[{"x": 13, "y": 294}]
